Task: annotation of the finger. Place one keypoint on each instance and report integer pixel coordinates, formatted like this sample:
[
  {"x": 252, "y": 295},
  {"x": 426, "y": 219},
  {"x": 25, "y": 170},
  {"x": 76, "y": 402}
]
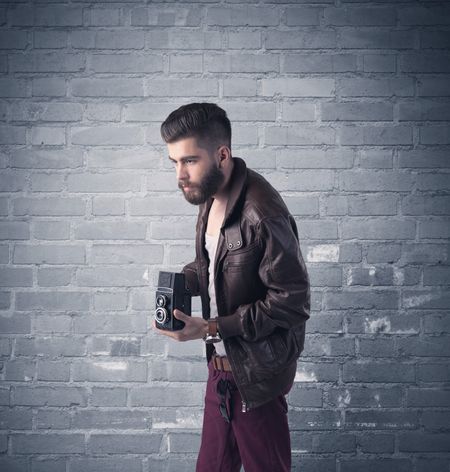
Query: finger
[{"x": 179, "y": 314}]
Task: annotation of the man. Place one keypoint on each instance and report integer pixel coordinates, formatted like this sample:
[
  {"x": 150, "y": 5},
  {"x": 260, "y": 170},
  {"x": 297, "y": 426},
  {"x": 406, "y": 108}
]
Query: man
[{"x": 255, "y": 295}]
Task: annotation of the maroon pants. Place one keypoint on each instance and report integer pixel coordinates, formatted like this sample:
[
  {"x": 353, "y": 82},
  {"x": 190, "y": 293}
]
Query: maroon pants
[{"x": 258, "y": 439}]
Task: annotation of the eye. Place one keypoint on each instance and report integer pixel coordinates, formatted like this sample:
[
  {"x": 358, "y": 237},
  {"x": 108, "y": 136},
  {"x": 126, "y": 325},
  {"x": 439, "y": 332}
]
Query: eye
[{"x": 190, "y": 161}]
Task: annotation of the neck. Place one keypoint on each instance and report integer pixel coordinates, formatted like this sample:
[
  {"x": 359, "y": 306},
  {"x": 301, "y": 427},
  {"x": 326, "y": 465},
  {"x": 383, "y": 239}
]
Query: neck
[{"x": 221, "y": 197}]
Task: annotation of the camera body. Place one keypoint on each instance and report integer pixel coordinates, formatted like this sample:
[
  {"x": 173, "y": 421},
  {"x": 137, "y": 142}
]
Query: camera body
[{"x": 170, "y": 294}]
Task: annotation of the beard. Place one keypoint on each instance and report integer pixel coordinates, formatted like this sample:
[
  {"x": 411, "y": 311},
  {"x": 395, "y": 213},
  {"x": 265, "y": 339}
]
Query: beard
[{"x": 200, "y": 193}]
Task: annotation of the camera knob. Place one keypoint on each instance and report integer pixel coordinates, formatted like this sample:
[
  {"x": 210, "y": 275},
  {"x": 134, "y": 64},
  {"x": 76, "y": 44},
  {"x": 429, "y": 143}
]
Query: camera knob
[{"x": 161, "y": 300}]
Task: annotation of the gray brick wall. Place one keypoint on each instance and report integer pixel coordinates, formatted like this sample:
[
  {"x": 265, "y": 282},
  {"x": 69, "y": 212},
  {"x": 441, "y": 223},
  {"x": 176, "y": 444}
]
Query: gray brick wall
[{"x": 342, "y": 104}]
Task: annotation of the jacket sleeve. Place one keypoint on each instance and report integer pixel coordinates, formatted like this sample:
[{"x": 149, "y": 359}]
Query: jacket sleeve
[
  {"x": 283, "y": 271},
  {"x": 191, "y": 278}
]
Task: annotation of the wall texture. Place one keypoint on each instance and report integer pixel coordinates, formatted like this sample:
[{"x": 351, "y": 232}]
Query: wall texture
[{"x": 342, "y": 105}]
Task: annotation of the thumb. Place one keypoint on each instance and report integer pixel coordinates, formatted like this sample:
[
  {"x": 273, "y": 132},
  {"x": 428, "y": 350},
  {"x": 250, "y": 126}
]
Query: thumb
[{"x": 179, "y": 314}]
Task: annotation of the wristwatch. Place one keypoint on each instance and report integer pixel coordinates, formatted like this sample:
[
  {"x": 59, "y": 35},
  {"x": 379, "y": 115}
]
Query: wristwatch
[{"x": 213, "y": 335}]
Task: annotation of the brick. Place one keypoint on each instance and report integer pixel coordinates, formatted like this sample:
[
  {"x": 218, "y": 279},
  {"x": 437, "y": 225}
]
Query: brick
[
  {"x": 13, "y": 39},
  {"x": 298, "y": 87},
  {"x": 104, "y": 206},
  {"x": 56, "y": 112},
  {"x": 54, "y": 371},
  {"x": 242, "y": 16},
  {"x": 385, "y": 87},
  {"x": 121, "y": 159},
  {"x": 178, "y": 87},
  {"x": 175, "y": 230},
  {"x": 52, "y": 301},
  {"x": 299, "y": 40},
  {"x": 184, "y": 40},
  {"x": 104, "y": 17},
  {"x": 362, "y": 299},
  {"x": 107, "y": 39},
  {"x": 377, "y": 372},
  {"x": 243, "y": 63},
  {"x": 49, "y": 277},
  {"x": 373, "y": 38},
  {"x": 107, "y": 135},
  {"x": 390, "y": 323},
  {"x": 12, "y": 134},
  {"x": 435, "y": 134},
  {"x": 15, "y": 230},
  {"x": 429, "y": 346},
  {"x": 433, "y": 372},
  {"x": 48, "y": 136},
  {"x": 102, "y": 112},
  {"x": 376, "y": 464},
  {"x": 58, "y": 15},
  {"x": 370, "y": 276},
  {"x": 361, "y": 205},
  {"x": 422, "y": 110},
  {"x": 172, "y": 395},
  {"x": 371, "y": 135},
  {"x": 290, "y": 135},
  {"x": 127, "y": 63},
  {"x": 302, "y": 205},
  {"x": 426, "y": 463},
  {"x": 298, "y": 112},
  {"x": 51, "y": 206},
  {"x": 150, "y": 206},
  {"x": 101, "y": 396},
  {"x": 186, "y": 63},
  {"x": 376, "y": 443},
  {"x": 110, "y": 230},
  {"x": 430, "y": 62},
  {"x": 53, "y": 420},
  {"x": 424, "y": 253},
  {"x": 103, "y": 419},
  {"x": 252, "y": 39},
  {"x": 19, "y": 418},
  {"x": 378, "y": 228},
  {"x": 156, "y": 15},
  {"x": 239, "y": 87},
  {"x": 47, "y": 183},
  {"x": 427, "y": 442},
  {"x": 425, "y": 205},
  {"x": 384, "y": 420},
  {"x": 365, "y": 397},
  {"x": 436, "y": 420},
  {"x": 51, "y": 443},
  {"x": 433, "y": 87},
  {"x": 111, "y": 463},
  {"x": 434, "y": 40},
  {"x": 178, "y": 371},
  {"x": 49, "y": 87},
  {"x": 355, "y": 111},
  {"x": 49, "y": 39},
  {"x": 20, "y": 370},
  {"x": 379, "y": 63},
  {"x": 14, "y": 181},
  {"x": 10, "y": 88},
  {"x": 314, "y": 420},
  {"x": 50, "y": 396},
  {"x": 47, "y": 62},
  {"x": 131, "y": 87},
  {"x": 110, "y": 301},
  {"x": 16, "y": 277},
  {"x": 325, "y": 276},
  {"x": 51, "y": 230},
  {"x": 18, "y": 324},
  {"x": 318, "y": 63},
  {"x": 184, "y": 442},
  {"x": 425, "y": 299},
  {"x": 423, "y": 158},
  {"x": 437, "y": 323},
  {"x": 111, "y": 324},
  {"x": 353, "y": 16},
  {"x": 105, "y": 277},
  {"x": 434, "y": 228},
  {"x": 108, "y": 371},
  {"x": 424, "y": 15},
  {"x": 105, "y": 182}
]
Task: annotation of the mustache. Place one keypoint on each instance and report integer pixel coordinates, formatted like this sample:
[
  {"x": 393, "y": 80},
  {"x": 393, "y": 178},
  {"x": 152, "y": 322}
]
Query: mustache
[{"x": 185, "y": 184}]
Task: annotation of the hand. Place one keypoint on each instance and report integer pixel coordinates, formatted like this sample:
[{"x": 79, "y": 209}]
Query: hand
[{"x": 194, "y": 327}]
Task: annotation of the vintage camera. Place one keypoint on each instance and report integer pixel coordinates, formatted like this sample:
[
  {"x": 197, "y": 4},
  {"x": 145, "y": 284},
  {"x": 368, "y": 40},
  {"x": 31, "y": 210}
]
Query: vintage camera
[{"x": 170, "y": 294}]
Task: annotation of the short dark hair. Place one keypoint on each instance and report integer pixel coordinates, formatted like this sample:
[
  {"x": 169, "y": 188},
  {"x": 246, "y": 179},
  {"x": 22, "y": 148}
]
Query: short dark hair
[{"x": 206, "y": 122}]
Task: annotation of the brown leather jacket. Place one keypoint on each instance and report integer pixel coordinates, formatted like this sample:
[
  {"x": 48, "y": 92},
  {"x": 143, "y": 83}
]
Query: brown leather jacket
[{"x": 262, "y": 286}]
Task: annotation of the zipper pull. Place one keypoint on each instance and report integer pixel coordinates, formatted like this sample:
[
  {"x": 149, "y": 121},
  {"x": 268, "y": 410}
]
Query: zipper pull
[{"x": 244, "y": 407}]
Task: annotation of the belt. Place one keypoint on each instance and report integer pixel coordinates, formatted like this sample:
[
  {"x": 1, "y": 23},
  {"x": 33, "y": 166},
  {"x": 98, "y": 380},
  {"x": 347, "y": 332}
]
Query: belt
[{"x": 221, "y": 363}]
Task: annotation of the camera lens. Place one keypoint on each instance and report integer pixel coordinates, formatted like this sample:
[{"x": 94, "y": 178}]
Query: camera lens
[
  {"x": 161, "y": 300},
  {"x": 161, "y": 315}
]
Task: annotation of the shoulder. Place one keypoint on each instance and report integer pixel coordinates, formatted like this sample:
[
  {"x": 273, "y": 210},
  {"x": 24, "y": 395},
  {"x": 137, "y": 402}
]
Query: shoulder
[{"x": 262, "y": 200}]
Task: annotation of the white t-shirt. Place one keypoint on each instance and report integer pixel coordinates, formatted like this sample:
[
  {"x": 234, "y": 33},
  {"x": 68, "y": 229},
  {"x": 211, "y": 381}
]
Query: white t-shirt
[{"x": 211, "y": 248}]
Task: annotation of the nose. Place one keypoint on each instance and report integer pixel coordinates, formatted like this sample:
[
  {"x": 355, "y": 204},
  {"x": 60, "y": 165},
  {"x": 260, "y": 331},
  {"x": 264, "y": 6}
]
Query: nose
[{"x": 182, "y": 175}]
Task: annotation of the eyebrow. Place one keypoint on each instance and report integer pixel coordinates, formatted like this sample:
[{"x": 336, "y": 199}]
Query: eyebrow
[{"x": 185, "y": 158}]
